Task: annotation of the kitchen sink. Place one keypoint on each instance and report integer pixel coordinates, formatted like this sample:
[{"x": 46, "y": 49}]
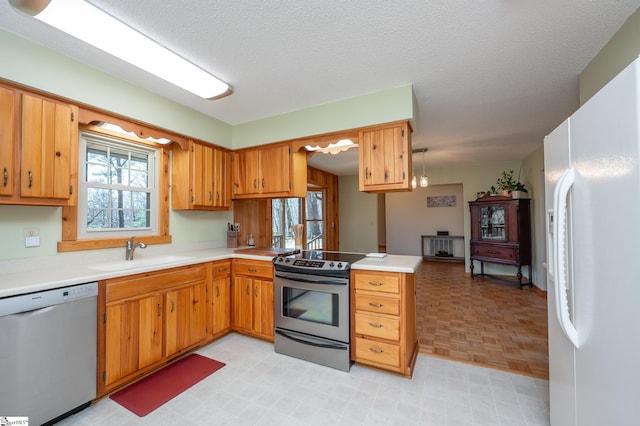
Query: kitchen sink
[{"x": 138, "y": 263}]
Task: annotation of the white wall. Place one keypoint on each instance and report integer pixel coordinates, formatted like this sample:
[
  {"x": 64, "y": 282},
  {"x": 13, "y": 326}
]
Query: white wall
[
  {"x": 358, "y": 217},
  {"x": 412, "y": 218}
]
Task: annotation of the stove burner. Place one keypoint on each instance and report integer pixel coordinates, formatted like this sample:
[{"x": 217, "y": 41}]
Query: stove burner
[{"x": 330, "y": 263}]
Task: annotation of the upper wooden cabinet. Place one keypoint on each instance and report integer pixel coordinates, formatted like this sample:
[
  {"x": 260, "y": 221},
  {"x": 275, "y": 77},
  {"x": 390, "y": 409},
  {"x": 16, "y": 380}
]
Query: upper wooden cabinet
[
  {"x": 200, "y": 178},
  {"x": 38, "y": 150},
  {"x": 269, "y": 172},
  {"x": 8, "y": 116},
  {"x": 385, "y": 158}
]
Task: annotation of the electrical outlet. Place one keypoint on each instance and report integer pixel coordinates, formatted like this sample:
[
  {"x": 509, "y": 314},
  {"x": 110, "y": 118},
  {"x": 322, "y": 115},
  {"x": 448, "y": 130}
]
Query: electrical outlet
[{"x": 31, "y": 237}]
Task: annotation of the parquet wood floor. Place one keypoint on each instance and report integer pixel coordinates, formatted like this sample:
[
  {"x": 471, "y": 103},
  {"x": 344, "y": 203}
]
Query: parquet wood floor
[{"x": 482, "y": 321}]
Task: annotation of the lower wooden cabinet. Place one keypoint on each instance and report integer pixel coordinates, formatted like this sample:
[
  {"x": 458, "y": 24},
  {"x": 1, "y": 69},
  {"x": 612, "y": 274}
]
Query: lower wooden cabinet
[
  {"x": 220, "y": 299},
  {"x": 148, "y": 319},
  {"x": 253, "y": 298},
  {"x": 383, "y": 320}
]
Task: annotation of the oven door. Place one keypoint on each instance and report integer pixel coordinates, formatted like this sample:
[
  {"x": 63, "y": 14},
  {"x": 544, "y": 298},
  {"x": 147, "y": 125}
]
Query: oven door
[{"x": 312, "y": 304}]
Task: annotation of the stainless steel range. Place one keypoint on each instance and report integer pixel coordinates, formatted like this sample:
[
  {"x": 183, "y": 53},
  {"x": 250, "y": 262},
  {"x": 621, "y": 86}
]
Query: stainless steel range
[{"x": 311, "y": 307}]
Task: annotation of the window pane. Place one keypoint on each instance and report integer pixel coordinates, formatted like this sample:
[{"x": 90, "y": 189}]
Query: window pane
[
  {"x": 98, "y": 198},
  {"x": 138, "y": 179},
  {"x": 314, "y": 205},
  {"x": 315, "y": 235},
  {"x": 98, "y": 219}
]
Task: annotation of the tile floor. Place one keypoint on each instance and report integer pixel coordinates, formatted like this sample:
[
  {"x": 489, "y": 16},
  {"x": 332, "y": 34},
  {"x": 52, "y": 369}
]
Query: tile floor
[{"x": 261, "y": 387}]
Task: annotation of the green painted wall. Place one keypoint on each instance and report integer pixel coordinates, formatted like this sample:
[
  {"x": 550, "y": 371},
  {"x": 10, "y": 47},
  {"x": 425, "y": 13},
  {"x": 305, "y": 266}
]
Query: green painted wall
[
  {"x": 375, "y": 108},
  {"x": 620, "y": 51}
]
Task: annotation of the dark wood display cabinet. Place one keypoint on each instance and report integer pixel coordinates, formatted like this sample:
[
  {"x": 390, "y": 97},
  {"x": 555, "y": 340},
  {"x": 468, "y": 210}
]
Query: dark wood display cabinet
[{"x": 501, "y": 233}]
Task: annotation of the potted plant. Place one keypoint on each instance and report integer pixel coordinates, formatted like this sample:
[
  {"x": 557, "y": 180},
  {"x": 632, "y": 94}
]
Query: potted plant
[{"x": 510, "y": 186}]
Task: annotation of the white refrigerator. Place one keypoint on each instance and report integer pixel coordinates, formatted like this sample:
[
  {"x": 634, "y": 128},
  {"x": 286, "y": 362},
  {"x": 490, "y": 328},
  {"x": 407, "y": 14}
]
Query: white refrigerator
[{"x": 592, "y": 198}]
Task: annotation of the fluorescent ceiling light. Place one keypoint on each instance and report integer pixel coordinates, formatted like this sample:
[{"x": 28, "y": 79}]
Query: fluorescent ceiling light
[
  {"x": 333, "y": 148},
  {"x": 90, "y": 24}
]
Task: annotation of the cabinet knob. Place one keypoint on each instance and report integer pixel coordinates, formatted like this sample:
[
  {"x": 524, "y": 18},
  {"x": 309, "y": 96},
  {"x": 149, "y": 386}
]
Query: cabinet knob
[{"x": 58, "y": 154}]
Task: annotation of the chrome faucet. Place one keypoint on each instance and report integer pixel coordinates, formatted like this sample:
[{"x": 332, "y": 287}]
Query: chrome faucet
[{"x": 131, "y": 248}]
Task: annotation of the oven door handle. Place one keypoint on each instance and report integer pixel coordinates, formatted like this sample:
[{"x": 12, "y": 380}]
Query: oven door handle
[
  {"x": 323, "y": 280},
  {"x": 307, "y": 342}
]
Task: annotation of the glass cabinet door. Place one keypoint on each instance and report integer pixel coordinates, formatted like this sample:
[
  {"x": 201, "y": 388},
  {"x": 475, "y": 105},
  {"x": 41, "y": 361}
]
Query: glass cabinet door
[{"x": 492, "y": 223}]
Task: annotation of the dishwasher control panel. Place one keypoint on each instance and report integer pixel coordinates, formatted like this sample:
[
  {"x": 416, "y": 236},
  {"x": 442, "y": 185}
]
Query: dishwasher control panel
[{"x": 42, "y": 299}]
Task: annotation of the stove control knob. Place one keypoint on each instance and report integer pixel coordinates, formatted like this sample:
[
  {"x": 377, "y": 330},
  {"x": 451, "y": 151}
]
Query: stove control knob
[
  {"x": 331, "y": 265},
  {"x": 287, "y": 260},
  {"x": 339, "y": 265}
]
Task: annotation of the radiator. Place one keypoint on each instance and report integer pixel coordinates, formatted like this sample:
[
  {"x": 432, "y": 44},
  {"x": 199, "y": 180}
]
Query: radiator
[{"x": 441, "y": 247}]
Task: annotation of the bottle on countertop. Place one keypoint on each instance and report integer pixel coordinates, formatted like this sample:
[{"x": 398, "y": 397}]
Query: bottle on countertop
[{"x": 251, "y": 242}]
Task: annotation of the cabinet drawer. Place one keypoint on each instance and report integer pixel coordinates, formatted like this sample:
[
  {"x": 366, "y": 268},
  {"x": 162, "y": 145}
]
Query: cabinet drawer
[
  {"x": 380, "y": 305},
  {"x": 382, "y": 283},
  {"x": 253, "y": 268},
  {"x": 221, "y": 269},
  {"x": 378, "y": 326},
  {"x": 378, "y": 352},
  {"x": 506, "y": 253}
]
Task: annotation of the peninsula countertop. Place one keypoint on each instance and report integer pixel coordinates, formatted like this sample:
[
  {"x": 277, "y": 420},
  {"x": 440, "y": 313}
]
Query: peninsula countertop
[{"x": 22, "y": 276}]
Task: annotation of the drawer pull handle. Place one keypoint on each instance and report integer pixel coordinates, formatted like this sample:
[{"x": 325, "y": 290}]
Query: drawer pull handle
[
  {"x": 375, "y": 284},
  {"x": 252, "y": 270},
  {"x": 374, "y": 325},
  {"x": 222, "y": 269},
  {"x": 5, "y": 177},
  {"x": 376, "y": 305},
  {"x": 376, "y": 351},
  {"x": 159, "y": 310},
  {"x": 30, "y": 179}
]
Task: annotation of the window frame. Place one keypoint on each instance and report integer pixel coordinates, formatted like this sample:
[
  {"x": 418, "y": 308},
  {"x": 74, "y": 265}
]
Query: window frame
[{"x": 70, "y": 216}]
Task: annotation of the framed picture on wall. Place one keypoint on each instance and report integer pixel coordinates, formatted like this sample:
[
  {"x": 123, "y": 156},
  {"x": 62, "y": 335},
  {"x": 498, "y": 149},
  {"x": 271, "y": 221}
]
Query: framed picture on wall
[{"x": 441, "y": 201}]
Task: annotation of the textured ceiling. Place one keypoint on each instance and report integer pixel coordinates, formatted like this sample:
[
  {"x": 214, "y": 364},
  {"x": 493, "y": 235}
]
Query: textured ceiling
[{"x": 491, "y": 77}]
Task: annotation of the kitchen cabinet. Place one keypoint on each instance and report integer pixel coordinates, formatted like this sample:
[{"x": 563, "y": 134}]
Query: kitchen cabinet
[
  {"x": 39, "y": 149},
  {"x": 220, "y": 296},
  {"x": 269, "y": 172},
  {"x": 501, "y": 234},
  {"x": 8, "y": 99},
  {"x": 200, "y": 178},
  {"x": 253, "y": 298},
  {"x": 383, "y": 320},
  {"x": 384, "y": 154},
  {"x": 146, "y": 319}
]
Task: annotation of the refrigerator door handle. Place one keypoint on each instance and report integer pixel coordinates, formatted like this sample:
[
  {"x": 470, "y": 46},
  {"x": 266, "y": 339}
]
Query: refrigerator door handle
[{"x": 563, "y": 187}]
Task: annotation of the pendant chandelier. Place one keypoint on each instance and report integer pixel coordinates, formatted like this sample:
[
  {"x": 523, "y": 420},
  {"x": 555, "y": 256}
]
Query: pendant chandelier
[{"x": 424, "y": 179}]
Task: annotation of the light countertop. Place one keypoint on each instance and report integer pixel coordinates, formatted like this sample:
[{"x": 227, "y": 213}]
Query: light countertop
[{"x": 30, "y": 275}]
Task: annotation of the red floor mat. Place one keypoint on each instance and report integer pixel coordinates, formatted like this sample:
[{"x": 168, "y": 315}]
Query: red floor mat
[{"x": 151, "y": 392}]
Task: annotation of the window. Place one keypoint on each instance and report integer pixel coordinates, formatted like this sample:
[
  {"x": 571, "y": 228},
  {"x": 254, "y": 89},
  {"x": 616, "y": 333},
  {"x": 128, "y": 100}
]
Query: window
[
  {"x": 314, "y": 220},
  {"x": 118, "y": 188},
  {"x": 286, "y": 212}
]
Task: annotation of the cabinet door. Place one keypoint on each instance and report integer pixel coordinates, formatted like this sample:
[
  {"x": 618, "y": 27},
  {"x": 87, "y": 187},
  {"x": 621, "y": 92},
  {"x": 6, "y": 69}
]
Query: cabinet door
[
  {"x": 150, "y": 330},
  {"x": 385, "y": 158},
  {"x": 46, "y": 148},
  {"x": 7, "y": 140},
  {"x": 274, "y": 170},
  {"x": 221, "y": 181},
  {"x": 178, "y": 308},
  {"x": 263, "y": 307},
  {"x": 246, "y": 172},
  {"x": 221, "y": 305},
  {"x": 133, "y": 336},
  {"x": 198, "y": 314},
  {"x": 202, "y": 175},
  {"x": 242, "y": 303}
]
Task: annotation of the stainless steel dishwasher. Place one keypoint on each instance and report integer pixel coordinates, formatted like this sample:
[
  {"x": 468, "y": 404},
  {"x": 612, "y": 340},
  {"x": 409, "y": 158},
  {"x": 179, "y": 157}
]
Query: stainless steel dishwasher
[{"x": 48, "y": 353}]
